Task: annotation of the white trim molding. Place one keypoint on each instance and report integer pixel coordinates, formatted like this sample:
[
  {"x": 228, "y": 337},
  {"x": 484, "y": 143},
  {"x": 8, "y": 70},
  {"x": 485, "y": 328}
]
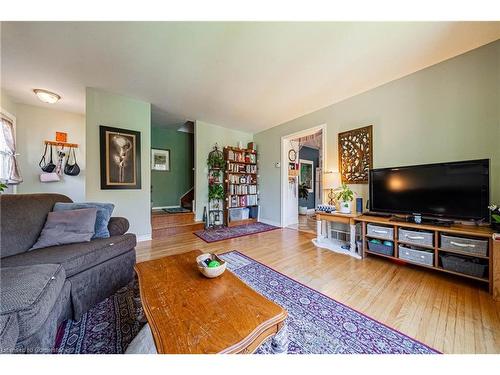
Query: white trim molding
[
  {"x": 270, "y": 222},
  {"x": 144, "y": 237}
]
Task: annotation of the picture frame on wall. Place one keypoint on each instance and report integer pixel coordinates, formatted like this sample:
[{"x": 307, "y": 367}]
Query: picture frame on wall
[
  {"x": 306, "y": 174},
  {"x": 120, "y": 153},
  {"x": 160, "y": 160}
]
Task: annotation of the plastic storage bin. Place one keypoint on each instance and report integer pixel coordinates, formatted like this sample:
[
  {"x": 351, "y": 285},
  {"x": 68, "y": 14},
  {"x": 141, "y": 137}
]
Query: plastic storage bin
[{"x": 236, "y": 214}]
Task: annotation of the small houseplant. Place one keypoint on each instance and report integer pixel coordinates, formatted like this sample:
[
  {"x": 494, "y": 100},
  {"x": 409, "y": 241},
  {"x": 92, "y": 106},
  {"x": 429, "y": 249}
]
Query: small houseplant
[
  {"x": 215, "y": 160},
  {"x": 345, "y": 196},
  {"x": 215, "y": 191},
  {"x": 495, "y": 216},
  {"x": 2, "y": 187},
  {"x": 303, "y": 194}
]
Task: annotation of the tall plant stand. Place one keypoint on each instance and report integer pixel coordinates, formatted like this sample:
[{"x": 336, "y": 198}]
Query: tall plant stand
[{"x": 216, "y": 195}]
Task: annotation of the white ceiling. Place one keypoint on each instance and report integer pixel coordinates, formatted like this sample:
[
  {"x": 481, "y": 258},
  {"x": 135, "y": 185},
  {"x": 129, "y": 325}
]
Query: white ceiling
[{"x": 248, "y": 76}]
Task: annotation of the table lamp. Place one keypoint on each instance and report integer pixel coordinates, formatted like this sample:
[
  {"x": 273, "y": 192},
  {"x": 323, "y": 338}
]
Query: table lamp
[{"x": 331, "y": 181}]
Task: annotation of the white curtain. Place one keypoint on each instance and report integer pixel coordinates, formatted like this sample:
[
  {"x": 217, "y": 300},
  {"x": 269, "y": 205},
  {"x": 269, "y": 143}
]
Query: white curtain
[{"x": 9, "y": 169}]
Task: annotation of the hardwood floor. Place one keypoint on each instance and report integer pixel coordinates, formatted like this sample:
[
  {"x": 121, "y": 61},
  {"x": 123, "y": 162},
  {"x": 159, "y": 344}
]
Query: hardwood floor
[{"x": 450, "y": 314}]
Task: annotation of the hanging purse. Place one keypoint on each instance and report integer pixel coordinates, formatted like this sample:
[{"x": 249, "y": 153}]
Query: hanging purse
[
  {"x": 47, "y": 167},
  {"x": 49, "y": 177},
  {"x": 71, "y": 169}
]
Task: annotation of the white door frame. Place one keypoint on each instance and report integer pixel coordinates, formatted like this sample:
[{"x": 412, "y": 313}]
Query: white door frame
[
  {"x": 284, "y": 160},
  {"x": 12, "y": 118}
]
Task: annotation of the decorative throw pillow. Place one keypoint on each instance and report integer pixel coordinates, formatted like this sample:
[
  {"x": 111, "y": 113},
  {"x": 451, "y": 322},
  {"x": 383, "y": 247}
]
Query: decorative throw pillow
[
  {"x": 104, "y": 211},
  {"x": 67, "y": 227}
]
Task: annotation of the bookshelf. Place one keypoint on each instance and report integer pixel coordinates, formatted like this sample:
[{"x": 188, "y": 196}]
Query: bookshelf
[{"x": 241, "y": 204}]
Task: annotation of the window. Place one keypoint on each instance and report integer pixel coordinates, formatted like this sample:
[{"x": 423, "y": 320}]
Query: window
[{"x": 9, "y": 171}]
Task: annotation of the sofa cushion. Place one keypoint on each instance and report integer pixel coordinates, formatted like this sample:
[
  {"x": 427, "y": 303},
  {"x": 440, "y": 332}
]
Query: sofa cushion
[
  {"x": 9, "y": 332},
  {"x": 76, "y": 257},
  {"x": 29, "y": 293},
  {"x": 104, "y": 211},
  {"x": 65, "y": 227},
  {"x": 118, "y": 226},
  {"x": 26, "y": 211}
]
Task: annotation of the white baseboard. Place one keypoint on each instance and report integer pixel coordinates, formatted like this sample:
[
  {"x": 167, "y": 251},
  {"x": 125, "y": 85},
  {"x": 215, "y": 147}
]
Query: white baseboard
[
  {"x": 162, "y": 207},
  {"x": 143, "y": 237},
  {"x": 270, "y": 222}
]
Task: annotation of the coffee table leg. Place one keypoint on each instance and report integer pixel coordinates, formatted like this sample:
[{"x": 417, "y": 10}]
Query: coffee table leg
[{"x": 279, "y": 343}]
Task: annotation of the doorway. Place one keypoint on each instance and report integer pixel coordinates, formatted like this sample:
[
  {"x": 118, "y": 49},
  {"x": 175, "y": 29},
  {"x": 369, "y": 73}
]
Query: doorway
[{"x": 303, "y": 162}]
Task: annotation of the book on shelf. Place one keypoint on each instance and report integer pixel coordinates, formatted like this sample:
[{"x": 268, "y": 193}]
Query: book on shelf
[
  {"x": 241, "y": 168},
  {"x": 241, "y": 156},
  {"x": 242, "y": 189},
  {"x": 235, "y": 201}
]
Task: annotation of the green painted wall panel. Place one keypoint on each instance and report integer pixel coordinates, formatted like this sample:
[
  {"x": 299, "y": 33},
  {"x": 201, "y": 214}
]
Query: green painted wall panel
[{"x": 168, "y": 187}]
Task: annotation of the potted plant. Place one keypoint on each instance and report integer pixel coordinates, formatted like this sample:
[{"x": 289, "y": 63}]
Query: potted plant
[
  {"x": 345, "y": 196},
  {"x": 2, "y": 187},
  {"x": 215, "y": 192},
  {"x": 303, "y": 194},
  {"x": 215, "y": 160},
  {"x": 495, "y": 216}
]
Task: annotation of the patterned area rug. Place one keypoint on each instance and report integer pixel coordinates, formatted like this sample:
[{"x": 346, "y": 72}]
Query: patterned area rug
[
  {"x": 107, "y": 328},
  {"x": 221, "y": 234},
  {"x": 316, "y": 323}
]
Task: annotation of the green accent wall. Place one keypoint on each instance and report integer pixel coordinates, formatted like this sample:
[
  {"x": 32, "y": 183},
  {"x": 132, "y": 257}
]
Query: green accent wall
[
  {"x": 447, "y": 112},
  {"x": 168, "y": 187}
]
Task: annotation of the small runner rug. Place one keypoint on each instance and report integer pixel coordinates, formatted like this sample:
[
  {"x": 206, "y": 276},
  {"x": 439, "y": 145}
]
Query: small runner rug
[
  {"x": 225, "y": 233},
  {"x": 316, "y": 323}
]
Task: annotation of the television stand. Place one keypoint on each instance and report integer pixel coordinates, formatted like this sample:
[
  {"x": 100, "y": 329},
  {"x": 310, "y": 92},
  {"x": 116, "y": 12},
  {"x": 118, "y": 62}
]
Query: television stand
[
  {"x": 434, "y": 247},
  {"x": 425, "y": 220},
  {"x": 377, "y": 214}
]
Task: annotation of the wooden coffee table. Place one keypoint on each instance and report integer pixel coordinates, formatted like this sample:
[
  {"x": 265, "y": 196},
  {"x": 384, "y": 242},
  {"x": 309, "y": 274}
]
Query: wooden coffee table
[{"x": 188, "y": 313}]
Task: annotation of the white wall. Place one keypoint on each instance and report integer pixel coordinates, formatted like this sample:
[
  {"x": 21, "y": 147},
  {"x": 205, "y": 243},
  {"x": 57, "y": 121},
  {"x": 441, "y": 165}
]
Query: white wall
[
  {"x": 205, "y": 137},
  {"x": 34, "y": 126},
  {"x": 291, "y": 189},
  {"x": 118, "y": 111}
]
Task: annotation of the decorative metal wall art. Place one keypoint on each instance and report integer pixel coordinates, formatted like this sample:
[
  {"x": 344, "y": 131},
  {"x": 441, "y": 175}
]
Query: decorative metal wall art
[{"x": 356, "y": 155}]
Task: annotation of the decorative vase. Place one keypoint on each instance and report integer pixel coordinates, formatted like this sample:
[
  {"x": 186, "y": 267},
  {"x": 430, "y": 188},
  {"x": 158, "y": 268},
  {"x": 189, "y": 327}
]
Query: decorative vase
[
  {"x": 345, "y": 207},
  {"x": 302, "y": 210}
]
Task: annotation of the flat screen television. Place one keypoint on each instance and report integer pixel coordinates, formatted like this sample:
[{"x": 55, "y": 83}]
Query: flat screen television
[{"x": 455, "y": 190}]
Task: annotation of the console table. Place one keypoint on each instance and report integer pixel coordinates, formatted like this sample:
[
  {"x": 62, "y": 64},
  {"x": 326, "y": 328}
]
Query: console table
[
  {"x": 436, "y": 246},
  {"x": 324, "y": 230}
]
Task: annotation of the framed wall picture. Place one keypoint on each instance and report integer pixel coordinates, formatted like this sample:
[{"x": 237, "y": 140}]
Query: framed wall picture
[
  {"x": 356, "y": 155},
  {"x": 160, "y": 160},
  {"x": 307, "y": 174},
  {"x": 120, "y": 158}
]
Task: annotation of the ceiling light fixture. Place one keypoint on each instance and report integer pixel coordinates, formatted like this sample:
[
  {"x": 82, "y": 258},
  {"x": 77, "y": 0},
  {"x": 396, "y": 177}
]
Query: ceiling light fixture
[{"x": 46, "y": 96}]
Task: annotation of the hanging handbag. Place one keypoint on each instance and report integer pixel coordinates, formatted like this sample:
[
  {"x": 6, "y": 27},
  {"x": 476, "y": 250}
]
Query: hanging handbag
[
  {"x": 71, "y": 169},
  {"x": 49, "y": 177},
  {"x": 47, "y": 167}
]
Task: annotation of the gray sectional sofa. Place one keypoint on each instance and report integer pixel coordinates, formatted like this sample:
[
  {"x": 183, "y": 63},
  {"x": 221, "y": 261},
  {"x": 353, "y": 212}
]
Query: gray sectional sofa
[{"x": 42, "y": 288}]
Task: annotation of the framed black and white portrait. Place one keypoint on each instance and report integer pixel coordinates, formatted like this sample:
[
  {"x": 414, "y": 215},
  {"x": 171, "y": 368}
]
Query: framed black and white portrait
[{"x": 120, "y": 158}]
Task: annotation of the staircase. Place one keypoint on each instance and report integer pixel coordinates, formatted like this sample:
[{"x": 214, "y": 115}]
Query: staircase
[
  {"x": 187, "y": 199},
  {"x": 167, "y": 224}
]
